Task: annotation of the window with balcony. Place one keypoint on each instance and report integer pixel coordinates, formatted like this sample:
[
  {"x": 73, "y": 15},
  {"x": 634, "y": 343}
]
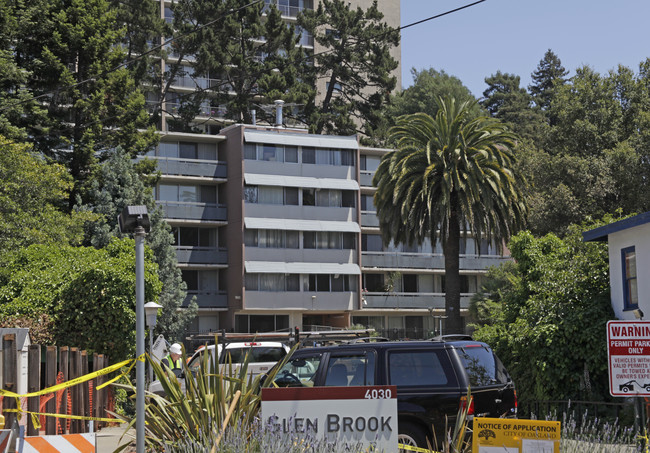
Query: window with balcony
[
  {"x": 369, "y": 163},
  {"x": 272, "y": 282},
  {"x": 320, "y": 156},
  {"x": 371, "y": 243},
  {"x": 187, "y": 193},
  {"x": 200, "y": 281},
  {"x": 261, "y": 323},
  {"x": 367, "y": 203},
  {"x": 271, "y": 238},
  {"x": 328, "y": 240},
  {"x": 187, "y": 150},
  {"x": 329, "y": 283},
  {"x": 194, "y": 237},
  {"x": 373, "y": 283},
  {"x": 271, "y": 153}
]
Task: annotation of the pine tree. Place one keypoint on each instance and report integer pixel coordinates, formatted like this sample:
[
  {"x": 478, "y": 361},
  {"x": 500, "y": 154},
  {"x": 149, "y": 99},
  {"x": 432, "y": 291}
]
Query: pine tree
[
  {"x": 355, "y": 68},
  {"x": 506, "y": 100},
  {"x": 549, "y": 74},
  {"x": 244, "y": 57},
  {"x": 72, "y": 59}
]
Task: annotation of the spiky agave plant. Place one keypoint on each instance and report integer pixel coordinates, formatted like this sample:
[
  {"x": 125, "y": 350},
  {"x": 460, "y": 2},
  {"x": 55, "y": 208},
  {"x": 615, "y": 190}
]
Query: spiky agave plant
[{"x": 215, "y": 396}]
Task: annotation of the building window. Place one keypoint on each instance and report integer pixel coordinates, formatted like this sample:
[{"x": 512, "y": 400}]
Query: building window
[
  {"x": 373, "y": 283},
  {"x": 272, "y": 282},
  {"x": 261, "y": 323},
  {"x": 371, "y": 243},
  {"x": 630, "y": 293},
  {"x": 328, "y": 156},
  {"x": 328, "y": 240},
  {"x": 187, "y": 193},
  {"x": 329, "y": 283},
  {"x": 194, "y": 237},
  {"x": 200, "y": 282},
  {"x": 271, "y": 239}
]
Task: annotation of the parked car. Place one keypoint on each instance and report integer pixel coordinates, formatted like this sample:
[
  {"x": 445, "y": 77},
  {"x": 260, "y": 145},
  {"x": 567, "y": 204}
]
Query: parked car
[
  {"x": 432, "y": 379},
  {"x": 263, "y": 356}
]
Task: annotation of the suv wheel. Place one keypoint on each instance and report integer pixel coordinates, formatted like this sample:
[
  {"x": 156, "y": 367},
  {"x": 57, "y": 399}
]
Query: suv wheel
[{"x": 410, "y": 435}]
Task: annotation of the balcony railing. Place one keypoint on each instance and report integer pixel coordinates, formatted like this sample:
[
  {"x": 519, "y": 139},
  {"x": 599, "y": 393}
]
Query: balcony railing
[
  {"x": 285, "y": 10},
  {"x": 192, "y": 167},
  {"x": 212, "y": 111},
  {"x": 193, "y": 211},
  {"x": 201, "y": 255},
  {"x": 208, "y": 299},
  {"x": 406, "y": 260},
  {"x": 401, "y": 300}
]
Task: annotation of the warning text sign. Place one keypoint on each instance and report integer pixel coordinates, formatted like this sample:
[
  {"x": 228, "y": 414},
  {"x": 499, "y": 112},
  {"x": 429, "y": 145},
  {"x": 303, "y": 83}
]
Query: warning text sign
[{"x": 628, "y": 345}]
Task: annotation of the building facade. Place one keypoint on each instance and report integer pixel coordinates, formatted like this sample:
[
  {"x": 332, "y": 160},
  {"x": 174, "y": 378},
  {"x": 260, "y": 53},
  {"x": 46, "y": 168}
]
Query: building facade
[{"x": 275, "y": 228}]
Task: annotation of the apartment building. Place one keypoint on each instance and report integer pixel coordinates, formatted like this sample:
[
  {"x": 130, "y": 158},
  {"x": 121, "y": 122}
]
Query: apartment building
[{"x": 275, "y": 228}]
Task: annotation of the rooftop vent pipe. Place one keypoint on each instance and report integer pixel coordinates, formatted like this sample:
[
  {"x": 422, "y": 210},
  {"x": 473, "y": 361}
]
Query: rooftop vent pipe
[
  {"x": 278, "y": 112},
  {"x": 254, "y": 116}
]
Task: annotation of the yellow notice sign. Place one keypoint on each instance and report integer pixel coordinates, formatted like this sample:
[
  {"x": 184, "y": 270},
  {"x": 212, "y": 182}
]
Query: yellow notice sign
[{"x": 508, "y": 435}]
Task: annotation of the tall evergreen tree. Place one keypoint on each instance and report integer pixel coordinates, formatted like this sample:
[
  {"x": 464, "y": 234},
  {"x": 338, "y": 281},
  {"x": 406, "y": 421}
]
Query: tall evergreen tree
[
  {"x": 118, "y": 185},
  {"x": 245, "y": 56},
  {"x": 449, "y": 172},
  {"x": 505, "y": 100},
  {"x": 353, "y": 72},
  {"x": 71, "y": 57},
  {"x": 549, "y": 74}
]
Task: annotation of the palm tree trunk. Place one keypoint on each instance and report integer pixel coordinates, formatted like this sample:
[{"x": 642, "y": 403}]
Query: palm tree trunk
[{"x": 451, "y": 250}]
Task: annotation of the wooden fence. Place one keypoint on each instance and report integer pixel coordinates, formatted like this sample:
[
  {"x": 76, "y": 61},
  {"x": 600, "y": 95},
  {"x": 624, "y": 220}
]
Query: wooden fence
[{"x": 46, "y": 367}]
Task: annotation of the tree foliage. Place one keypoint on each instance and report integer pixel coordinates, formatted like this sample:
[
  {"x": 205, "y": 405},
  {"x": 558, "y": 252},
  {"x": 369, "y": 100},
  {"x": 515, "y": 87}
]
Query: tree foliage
[
  {"x": 549, "y": 75},
  {"x": 118, "y": 184},
  {"x": 354, "y": 70},
  {"x": 545, "y": 315},
  {"x": 505, "y": 100},
  {"x": 82, "y": 289},
  {"x": 245, "y": 57},
  {"x": 70, "y": 61},
  {"x": 447, "y": 173},
  {"x": 33, "y": 197}
]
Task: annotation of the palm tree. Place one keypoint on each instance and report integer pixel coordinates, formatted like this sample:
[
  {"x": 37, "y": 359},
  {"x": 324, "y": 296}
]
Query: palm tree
[{"x": 449, "y": 172}]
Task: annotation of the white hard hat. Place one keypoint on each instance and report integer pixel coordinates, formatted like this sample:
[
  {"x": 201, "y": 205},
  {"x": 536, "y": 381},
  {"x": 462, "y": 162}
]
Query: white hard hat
[{"x": 175, "y": 349}]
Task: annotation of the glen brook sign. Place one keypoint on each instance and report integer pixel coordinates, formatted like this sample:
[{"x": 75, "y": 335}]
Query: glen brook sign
[{"x": 347, "y": 416}]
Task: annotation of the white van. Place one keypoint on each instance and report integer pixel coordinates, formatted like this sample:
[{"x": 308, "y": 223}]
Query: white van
[{"x": 263, "y": 355}]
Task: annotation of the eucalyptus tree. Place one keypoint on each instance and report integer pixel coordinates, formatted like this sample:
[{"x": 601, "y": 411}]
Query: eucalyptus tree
[{"x": 448, "y": 174}]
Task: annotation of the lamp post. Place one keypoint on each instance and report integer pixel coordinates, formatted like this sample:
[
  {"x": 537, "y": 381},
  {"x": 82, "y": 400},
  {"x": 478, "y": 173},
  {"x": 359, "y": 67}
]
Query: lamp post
[
  {"x": 151, "y": 312},
  {"x": 135, "y": 219}
]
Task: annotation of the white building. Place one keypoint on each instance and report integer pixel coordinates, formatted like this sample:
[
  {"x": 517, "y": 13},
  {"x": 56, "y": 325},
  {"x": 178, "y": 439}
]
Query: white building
[{"x": 629, "y": 254}]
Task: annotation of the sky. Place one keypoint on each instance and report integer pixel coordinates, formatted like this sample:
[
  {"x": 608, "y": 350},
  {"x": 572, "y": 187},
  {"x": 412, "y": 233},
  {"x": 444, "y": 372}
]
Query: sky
[{"x": 513, "y": 35}]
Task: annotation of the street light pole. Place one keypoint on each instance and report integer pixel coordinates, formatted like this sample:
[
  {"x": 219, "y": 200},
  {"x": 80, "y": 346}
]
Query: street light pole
[
  {"x": 139, "y": 333},
  {"x": 135, "y": 219}
]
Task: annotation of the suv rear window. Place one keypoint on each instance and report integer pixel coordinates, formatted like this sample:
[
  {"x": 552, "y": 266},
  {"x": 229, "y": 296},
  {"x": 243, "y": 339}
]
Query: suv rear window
[
  {"x": 416, "y": 368},
  {"x": 483, "y": 367},
  {"x": 350, "y": 370},
  {"x": 258, "y": 354}
]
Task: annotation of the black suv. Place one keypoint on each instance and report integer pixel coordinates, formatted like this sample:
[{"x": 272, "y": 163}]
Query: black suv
[{"x": 432, "y": 378}]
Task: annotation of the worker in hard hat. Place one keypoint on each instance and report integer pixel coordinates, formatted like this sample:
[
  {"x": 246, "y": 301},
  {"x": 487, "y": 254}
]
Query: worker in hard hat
[{"x": 173, "y": 360}]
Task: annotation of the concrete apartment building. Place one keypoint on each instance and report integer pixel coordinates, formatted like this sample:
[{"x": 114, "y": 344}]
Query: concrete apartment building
[{"x": 275, "y": 228}]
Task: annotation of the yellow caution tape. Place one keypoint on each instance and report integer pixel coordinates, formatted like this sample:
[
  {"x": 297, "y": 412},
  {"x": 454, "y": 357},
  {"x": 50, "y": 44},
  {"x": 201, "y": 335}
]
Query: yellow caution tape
[
  {"x": 37, "y": 423},
  {"x": 418, "y": 449},
  {"x": 80, "y": 379}
]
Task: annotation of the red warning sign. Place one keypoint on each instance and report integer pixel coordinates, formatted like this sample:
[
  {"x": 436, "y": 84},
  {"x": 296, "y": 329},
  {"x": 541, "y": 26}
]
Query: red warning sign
[{"x": 628, "y": 345}]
